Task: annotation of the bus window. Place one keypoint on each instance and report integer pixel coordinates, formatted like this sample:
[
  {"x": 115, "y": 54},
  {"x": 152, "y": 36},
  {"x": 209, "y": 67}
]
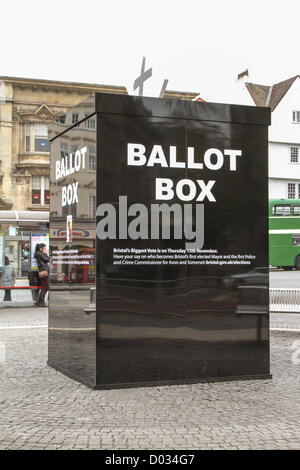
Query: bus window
[
  {"x": 295, "y": 210},
  {"x": 281, "y": 210},
  {"x": 296, "y": 240}
]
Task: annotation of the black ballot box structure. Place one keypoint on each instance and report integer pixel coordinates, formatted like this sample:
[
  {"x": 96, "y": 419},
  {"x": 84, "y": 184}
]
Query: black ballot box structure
[{"x": 159, "y": 242}]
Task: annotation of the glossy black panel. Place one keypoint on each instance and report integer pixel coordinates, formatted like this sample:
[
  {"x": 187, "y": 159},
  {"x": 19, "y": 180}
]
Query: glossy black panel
[
  {"x": 72, "y": 323},
  {"x": 165, "y": 314},
  {"x": 184, "y": 322},
  {"x": 179, "y": 109},
  {"x": 228, "y": 302},
  {"x": 138, "y": 306}
]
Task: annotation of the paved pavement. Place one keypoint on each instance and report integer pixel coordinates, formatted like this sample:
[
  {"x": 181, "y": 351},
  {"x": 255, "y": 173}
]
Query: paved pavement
[
  {"x": 284, "y": 279},
  {"x": 43, "y": 409}
]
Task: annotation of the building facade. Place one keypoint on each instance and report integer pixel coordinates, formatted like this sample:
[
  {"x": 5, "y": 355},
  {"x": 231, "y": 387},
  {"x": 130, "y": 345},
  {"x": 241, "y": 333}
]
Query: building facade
[
  {"x": 27, "y": 106},
  {"x": 284, "y": 135}
]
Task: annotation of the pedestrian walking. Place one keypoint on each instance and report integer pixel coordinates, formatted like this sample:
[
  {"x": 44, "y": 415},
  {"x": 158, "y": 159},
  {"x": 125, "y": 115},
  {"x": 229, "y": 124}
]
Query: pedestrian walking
[
  {"x": 42, "y": 260},
  {"x": 8, "y": 279}
]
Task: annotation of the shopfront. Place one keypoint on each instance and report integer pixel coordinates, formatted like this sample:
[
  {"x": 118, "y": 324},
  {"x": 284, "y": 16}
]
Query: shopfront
[{"x": 16, "y": 231}]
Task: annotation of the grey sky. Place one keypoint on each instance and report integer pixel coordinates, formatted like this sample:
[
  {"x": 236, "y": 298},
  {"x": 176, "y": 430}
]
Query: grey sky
[{"x": 198, "y": 45}]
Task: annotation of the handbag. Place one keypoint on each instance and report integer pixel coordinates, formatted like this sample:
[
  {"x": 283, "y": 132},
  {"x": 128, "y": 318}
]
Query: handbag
[
  {"x": 33, "y": 278},
  {"x": 43, "y": 273}
]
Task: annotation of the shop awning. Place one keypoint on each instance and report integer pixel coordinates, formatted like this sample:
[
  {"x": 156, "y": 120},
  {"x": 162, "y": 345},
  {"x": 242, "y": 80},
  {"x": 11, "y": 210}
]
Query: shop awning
[{"x": 24, "y": 216}]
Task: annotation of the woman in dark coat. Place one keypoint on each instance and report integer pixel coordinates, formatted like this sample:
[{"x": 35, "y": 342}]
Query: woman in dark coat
[{"x": 42, "y": 260}]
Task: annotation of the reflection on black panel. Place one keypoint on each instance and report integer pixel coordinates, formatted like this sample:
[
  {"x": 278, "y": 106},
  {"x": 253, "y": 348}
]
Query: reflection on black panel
[
  {"x": 171, "y": 323},
  {"x": 200, "y": 315},
  {"x": 72, "y": 318}
]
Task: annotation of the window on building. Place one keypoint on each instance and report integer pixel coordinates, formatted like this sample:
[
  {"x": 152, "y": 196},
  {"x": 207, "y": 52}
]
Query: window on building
[
  {"x": 294, "y": 155},
  {"x": 296, "y": 116},
  {"x": 69, "y": 210},
  {"x": 36, "y": 190},
  {"x": 63, "y": 150},
  {"x": 92, "y": 159},
  {"x": 46, "y": 190},
  {"x": 41, "y": 130},
  {"x": 75, "y": 118},
  {"x": 90, "y": 123},
  {"x": 73, "y": 150},
  {"x": 27, "y": 138},
  {"x": 92, "y": 206},
  {"x": 291, "y": 190},
  {"x": 41, "y": 142},
  {"x": 40, "y": 190},
  {"x": 61, "y": 119}
]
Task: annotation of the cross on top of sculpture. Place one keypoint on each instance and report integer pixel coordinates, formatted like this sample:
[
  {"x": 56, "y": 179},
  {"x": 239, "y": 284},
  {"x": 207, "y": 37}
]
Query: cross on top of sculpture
[{"x": 139, "y": 82}]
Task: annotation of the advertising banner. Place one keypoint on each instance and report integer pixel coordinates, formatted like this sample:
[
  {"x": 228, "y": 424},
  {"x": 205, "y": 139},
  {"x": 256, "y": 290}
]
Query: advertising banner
[
  {"x": 175, "y": 194},
  {"x": 36, "y": 238},
  {"x": 2, "y": 244},
  {"x": 69, "y": 228}
]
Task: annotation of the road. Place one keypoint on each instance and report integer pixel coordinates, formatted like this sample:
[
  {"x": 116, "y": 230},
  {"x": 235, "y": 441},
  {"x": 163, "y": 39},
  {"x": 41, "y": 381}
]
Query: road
[
  {"x": 42, "y": 409},
  {"x": 285, "y": 279}
]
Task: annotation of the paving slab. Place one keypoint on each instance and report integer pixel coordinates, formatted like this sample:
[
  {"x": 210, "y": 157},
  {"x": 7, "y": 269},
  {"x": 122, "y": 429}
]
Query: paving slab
[{"x": 41, "y": 408}]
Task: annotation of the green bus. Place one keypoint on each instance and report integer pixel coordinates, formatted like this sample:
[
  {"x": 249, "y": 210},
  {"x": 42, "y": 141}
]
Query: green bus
[{"x": 284, "y": 233}]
